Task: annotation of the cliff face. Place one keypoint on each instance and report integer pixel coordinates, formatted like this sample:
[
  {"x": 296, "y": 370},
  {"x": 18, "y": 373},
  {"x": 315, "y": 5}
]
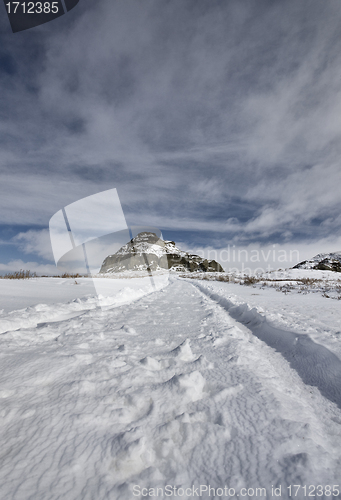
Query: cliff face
[
  {"x": 147, "y": 252},
  {"x": 322, "y": 261}
]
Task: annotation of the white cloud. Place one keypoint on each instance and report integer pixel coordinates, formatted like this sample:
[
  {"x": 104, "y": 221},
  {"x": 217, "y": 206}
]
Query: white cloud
[
  {"x": 17, "y": 265},
  {"x": 35, "y": 242},
  {"x": 255, "y": 256},
  {"x": 228, "y": 112}
]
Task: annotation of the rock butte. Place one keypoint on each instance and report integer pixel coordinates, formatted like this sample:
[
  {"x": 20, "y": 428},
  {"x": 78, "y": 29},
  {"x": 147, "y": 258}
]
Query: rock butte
[{"x": 147, "y": 252}]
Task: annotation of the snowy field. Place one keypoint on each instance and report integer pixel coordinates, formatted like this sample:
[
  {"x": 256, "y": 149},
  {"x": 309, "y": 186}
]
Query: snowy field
[{"x": 169, "y": 392}]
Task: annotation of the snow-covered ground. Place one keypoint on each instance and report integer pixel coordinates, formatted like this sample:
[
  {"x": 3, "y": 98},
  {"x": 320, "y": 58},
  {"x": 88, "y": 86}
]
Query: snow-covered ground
[
  {"x": 19, "y": 294},
  {"x": 27, "y": 303},
  {"x": 295, "y": 300},
  {"x": 198, "y": 384}
]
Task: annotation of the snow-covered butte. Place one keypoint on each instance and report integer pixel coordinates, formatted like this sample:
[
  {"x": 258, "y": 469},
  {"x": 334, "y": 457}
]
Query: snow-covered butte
[{"x": 148, "y": 252}]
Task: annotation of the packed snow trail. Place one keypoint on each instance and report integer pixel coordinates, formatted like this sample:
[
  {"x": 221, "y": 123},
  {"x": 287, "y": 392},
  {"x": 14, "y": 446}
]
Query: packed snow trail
[
  {"x": 169, "y": 390},
  {"x": 315, "y": 364}
]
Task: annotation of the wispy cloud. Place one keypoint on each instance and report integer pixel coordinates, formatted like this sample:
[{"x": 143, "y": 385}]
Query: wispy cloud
[
  {"x": 16, "y": 265},
  {"x": 35, "y": 242},
  {"x": 219, "y": 116}
]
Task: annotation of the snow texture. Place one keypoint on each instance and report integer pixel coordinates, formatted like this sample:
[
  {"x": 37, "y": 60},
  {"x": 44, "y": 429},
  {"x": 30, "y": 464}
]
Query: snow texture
[{"x": 189, "y": 385}]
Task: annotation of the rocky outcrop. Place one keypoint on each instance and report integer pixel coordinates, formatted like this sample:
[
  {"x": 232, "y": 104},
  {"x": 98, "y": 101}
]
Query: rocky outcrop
[
  {"x": 147, "y": 252},
  {"x": 323, "y": 262}
]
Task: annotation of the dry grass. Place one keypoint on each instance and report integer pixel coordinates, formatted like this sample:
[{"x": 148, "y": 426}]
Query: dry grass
[
  {"x": 250, "y": 280},
  {"x": 224, "y": 278},
  {"x": 25, "y": 274},
  {"x": 19, "y": 275},
  {"x": 309, "y": 281},
  {"x": 68, "y": 275},
  {"x": 329, "y": 290},
  {"x": 207, "y": 276}
]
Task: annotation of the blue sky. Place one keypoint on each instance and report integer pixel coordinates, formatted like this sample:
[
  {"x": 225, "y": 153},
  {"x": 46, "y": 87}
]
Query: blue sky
[{"x": 217, "y": 121}]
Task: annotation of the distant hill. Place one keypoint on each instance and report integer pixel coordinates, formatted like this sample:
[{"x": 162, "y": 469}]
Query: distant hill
[
  {"x": 322, "y": 261},
  {"x": 147, "y": 252}
]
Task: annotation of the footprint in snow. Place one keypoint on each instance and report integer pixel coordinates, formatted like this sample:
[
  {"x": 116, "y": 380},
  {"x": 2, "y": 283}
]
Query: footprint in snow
[
  {"x": 183, "y": 352},
  {"x": 128, "y": 329},
  {"x": 189, "y": 387},
  {"x": 151, "y": 364}
]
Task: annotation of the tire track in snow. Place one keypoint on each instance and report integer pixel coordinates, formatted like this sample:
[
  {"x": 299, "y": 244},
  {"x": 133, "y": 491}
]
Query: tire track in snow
[
  {"x": 163, "y": 391},
  {"x": 315, "y": 364},
  {"x": 241, "y": 437}
]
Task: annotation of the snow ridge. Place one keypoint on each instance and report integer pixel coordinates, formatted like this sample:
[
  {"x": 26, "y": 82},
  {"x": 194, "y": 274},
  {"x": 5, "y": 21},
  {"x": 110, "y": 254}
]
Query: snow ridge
[
  {"x": 315, "y": 364},
  {"x": 168, "y": 390}
]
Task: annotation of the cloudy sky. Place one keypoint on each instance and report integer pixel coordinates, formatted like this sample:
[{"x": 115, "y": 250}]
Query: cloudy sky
[{"x": 217, "y": 121}]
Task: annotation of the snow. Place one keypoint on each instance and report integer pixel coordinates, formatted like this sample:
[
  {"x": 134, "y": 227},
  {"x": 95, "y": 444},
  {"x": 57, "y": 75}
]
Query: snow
[
  {"x": 328, "y": 257},
  {"x": 301, "y": 309},
  {"x": 149, "y": 248},
  {"x": 18, "y": 294},
  {"x": 159, "y": 249},
  {"x": 296, "y": 274},
  {"x": 316, "y": 364},
  {"x": 37, "y": 298},
  {"x": 193, "y": 383}
]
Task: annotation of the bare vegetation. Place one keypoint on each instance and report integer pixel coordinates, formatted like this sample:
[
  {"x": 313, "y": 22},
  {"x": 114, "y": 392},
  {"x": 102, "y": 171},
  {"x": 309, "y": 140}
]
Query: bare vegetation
[
  {"x": 209, "y": 276},
  {"x": 68, "y": 275},
  {"x": 19, "y": 275},
  {"x": 330, "y": 289},
  {"x": 250, "y": 280},
  {"x": 26, "y": 274},
  {"x": 309, "y": 281}
]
